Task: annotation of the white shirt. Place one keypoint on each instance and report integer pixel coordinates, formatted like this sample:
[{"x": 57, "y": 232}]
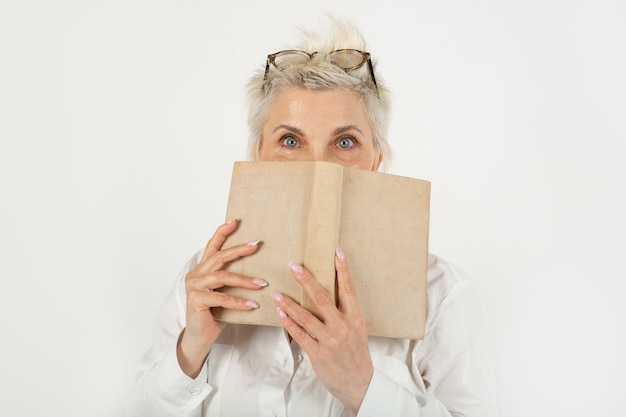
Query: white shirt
[{"x": 255, "y": 371}]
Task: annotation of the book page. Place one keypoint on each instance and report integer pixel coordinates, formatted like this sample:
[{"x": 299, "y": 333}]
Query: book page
[
  {"x": 384, "y": 232},
  {"x": 271, "y": 203}
]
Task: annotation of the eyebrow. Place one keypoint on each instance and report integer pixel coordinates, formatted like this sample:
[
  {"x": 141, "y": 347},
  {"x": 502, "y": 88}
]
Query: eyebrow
[
  {"x": 337, "y": 131},
  {"x": 344, "y": 129},
  {"x": 289, "y": 128}
]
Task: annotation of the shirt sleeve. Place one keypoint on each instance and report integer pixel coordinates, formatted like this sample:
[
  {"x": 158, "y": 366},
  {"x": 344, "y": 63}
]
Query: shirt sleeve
[
  {"x": 162, "y": 388},
  {"x": 453, "y": 375}
]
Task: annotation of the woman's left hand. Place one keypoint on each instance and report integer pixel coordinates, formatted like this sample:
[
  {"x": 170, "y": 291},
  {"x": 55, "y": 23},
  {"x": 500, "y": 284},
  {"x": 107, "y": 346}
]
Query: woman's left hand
[{"x": 337, "y": 344}]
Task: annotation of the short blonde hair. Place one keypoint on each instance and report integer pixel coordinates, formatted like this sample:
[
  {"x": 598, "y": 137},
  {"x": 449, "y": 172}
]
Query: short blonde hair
[{"x": 319, "y": 74}]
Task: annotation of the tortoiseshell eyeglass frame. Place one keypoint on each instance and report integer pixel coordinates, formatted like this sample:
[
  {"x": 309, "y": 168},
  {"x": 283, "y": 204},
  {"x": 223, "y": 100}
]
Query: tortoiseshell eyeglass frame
[{"x": 365, "y": 57}]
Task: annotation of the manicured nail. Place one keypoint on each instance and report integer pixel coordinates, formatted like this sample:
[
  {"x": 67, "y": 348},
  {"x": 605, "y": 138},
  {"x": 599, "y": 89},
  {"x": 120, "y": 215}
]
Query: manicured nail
[
  {"x": 296, "y": 268},
  {"x": 281, "y": 313},
  {"x": 260, "y": 282},
  {"x": 340, "y": 254},
  {"x": 252, "y": 304},
  {"x": 276, "y": 296},
  {"x": 253, "y": 243}
]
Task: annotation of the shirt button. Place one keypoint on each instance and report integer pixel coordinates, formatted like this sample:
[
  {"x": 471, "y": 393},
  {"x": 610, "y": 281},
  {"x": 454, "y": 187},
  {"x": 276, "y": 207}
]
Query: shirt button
[
  {"x": 298, "y": 357},
  {"x": 195, "y": 391}
]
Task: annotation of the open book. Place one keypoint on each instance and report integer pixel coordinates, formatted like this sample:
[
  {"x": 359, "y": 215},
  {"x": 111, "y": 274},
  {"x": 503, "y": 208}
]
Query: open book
[{"x": 303, "y": 211}]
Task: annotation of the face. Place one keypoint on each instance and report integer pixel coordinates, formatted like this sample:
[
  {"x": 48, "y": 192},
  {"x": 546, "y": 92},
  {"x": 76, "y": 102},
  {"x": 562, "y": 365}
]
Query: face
[{"x": 333, "y": 126}]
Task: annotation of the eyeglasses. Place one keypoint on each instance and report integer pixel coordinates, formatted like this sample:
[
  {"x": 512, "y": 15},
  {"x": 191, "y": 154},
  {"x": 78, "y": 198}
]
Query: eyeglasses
[{"x": 346, "y": 59}]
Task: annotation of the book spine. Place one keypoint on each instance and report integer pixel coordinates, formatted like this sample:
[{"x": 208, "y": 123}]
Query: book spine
[{"x": 323, "y": 228}]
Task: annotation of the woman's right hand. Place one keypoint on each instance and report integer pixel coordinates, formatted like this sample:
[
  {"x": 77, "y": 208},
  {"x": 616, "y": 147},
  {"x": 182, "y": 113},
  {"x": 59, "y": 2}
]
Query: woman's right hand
[{"x": 202, "y": 329}]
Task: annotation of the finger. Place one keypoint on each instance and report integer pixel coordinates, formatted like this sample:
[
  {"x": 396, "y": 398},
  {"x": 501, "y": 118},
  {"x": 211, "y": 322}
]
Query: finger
[
  {"x": 222, "y": 257},
  {"x": 306, "y": 340},
  {"x": 298, "y": 317},
  {"x": 219, "y": 237},
  {"x": 320, "y": 297},
  {"x": 222, "y": 278},
  {"x": 346, "y": 289},
  {"x": 205, "y": 300}
]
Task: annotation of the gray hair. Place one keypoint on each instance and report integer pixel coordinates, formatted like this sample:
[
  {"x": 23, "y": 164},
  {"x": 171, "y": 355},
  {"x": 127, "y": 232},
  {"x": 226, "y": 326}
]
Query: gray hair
[{"x": 319, "y": 74}]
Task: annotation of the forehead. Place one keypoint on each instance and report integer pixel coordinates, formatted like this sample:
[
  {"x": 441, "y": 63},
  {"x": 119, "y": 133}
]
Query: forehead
[{"x": 314, "y": 106}]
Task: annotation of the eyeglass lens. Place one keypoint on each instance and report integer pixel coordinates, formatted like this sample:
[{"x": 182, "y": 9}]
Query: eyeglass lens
[
  {"x": 347, "y": 58},
  {"x": 286, "y": 59}
]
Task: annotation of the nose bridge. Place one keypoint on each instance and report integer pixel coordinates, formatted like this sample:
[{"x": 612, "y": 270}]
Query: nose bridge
[{"x": 316, "y": 150}]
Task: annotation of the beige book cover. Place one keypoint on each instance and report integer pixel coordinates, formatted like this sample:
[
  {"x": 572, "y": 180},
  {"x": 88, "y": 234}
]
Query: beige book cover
[{"x": 302, "y": 211}]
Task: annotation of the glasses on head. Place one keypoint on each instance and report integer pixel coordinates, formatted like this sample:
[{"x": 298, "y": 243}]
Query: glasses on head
[{"x": 346, "y": 59}]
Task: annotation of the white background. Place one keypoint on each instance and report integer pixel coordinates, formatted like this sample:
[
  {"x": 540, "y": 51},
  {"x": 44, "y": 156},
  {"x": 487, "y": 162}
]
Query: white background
[{"x": 120, "y": 120}]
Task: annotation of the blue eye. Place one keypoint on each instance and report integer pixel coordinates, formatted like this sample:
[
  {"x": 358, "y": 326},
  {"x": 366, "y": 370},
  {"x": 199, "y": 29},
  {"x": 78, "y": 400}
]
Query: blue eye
[
  {"x": 345, "y": 143},
  {"x": 290, "y": 142}
]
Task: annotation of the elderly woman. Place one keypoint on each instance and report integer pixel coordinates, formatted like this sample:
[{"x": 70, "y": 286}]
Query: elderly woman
[{"x": 319, "y": 102}]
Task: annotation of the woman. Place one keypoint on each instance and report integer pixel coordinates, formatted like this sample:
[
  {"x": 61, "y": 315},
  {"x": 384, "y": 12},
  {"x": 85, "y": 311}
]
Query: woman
[{"x": 320, "y": 102}]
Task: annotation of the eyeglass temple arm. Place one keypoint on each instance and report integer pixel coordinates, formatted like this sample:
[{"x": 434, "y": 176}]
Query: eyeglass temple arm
[{"x": 371, "y": 67}]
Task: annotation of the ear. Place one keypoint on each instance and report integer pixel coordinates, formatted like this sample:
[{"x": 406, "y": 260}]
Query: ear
[{"x": 377, "y": 162}]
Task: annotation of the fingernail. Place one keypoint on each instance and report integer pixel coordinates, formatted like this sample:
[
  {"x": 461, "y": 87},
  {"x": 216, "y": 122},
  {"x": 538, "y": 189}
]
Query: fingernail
[
  {"x": 281, "y": 313},
  {"x": 253, "y": 243},
  {"x": 340, "y": 254},
  {"x": 252, "y": 304},
  {"x": 231, "y": 221},
  {"x": 276, "y": 296},
  {"x": 296, "y": 268},
  {"x": 260, "y": 282}
]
